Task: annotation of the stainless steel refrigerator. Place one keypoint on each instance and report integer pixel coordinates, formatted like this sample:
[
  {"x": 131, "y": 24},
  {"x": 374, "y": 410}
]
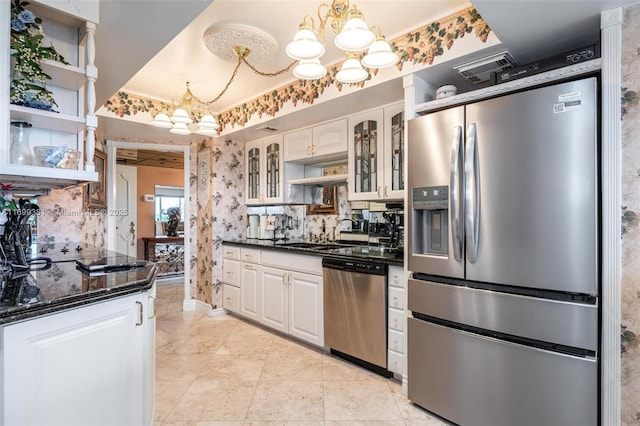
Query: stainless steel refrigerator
[{"x": 504, "y": 254}]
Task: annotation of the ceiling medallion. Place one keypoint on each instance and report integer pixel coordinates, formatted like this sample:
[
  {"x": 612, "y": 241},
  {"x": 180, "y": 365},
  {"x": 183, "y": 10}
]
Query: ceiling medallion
[{"x": 221, "y": 39}]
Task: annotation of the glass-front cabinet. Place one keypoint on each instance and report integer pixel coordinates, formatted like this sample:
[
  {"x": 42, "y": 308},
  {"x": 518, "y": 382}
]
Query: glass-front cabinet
[
  {"x": 365, "y": 141},
  {"x": 394, "y": 147},
  {"x": 266, "y": 172},
  {"x": 376, "y": 160}
]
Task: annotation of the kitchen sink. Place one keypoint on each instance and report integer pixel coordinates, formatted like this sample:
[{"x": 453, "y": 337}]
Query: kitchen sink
[{"x": 314, "y": 246}]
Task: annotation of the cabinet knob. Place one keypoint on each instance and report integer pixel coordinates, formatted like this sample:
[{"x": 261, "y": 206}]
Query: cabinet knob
[
  {"x": 386, "y": 191},
  {"x": 379, "y": 189}
]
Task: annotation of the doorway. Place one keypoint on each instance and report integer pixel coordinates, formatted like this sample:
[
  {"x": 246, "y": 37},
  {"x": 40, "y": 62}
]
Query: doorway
[{"x": 112, "y": 153}]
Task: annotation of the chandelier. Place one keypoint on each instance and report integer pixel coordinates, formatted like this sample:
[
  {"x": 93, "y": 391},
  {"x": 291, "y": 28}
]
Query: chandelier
[
  {"x": 352, "y": 36},
  {"x": 191, "y": 114}
]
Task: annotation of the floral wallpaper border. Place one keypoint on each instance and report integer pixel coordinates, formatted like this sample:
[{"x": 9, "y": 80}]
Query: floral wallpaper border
[{"x": 420, "y": 46}]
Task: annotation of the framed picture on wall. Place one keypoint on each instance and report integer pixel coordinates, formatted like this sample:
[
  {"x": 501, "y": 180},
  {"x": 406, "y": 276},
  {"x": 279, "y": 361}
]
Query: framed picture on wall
[
  {"x": 329, "y": 202},
  {"x": 95, "y": 192}
]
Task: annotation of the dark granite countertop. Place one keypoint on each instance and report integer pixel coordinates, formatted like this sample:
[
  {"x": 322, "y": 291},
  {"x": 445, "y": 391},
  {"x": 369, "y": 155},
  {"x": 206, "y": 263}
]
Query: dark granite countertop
[
  {"x": 338, "y": 249},
  {"x": 64, "y": 285}
]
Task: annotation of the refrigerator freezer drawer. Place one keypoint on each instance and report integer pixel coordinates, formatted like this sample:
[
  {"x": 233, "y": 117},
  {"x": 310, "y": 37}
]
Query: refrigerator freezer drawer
[
  {"x": 558, "y": 322},
  {"x": 475, "y": 380}
]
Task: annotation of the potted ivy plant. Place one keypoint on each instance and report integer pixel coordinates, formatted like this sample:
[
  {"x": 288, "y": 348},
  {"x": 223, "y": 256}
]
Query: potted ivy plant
[{"x": 28, "y": 81}]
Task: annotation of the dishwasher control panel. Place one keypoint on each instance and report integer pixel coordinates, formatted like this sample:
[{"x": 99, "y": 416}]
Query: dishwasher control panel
[{"x": 367, "y": 267}]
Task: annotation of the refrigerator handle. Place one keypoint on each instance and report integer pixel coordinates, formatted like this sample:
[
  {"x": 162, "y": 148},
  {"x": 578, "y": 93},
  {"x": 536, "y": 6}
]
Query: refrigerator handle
[
  {"x": 454, "y": 194},
  {"x": 472, "y": 194}
]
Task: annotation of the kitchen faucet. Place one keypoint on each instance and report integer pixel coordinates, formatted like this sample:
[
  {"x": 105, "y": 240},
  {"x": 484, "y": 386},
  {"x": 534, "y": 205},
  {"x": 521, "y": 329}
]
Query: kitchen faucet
[{"x": 333, "y": 231}]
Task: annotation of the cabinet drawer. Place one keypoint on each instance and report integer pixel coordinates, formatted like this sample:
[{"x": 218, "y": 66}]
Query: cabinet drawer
[
  {"x": 396, "y": 277},
  {"x": 292, "y": 262},
  {"x": 231, "y": 252},
  {"x": 396, "y": 341},
  {"x": 231, "y": 272},
  {"x": 395, "y": 362},
  {"x": 397, "y": 319},
  {"x": 250, "y": 255},
  {"x": 397, "y": 298},
  {"x": 231, "y": 298}
]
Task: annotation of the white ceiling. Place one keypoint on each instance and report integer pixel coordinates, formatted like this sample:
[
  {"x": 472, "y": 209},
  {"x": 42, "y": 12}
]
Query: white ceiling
[{"x": 157, "y": 55}]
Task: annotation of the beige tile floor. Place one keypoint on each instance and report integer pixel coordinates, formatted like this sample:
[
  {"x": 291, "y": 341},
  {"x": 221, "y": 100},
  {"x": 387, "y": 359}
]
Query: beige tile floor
[{"x": 225, "y": 371}]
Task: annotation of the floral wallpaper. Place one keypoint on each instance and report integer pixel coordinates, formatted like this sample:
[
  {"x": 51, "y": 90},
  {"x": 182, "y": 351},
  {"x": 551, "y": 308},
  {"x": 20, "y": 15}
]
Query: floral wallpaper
[
  {"x": 227, "y": 208},
  {"x": 420, "y": 46},
  {"x": 630, "y": 244},
  {"x": 203, "y": 220}
]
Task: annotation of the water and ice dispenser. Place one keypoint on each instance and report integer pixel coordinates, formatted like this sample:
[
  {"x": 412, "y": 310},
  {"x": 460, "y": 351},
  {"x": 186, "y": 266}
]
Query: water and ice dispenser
[{"x": 430, "y": 220}]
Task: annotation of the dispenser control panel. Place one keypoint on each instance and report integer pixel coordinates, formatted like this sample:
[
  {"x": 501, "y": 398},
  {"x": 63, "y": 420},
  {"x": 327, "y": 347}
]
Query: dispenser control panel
[{"x": 431, "y": 198}]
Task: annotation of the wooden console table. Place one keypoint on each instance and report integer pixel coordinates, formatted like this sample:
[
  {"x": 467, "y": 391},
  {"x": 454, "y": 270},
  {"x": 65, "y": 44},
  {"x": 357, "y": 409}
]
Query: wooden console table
[{"x": 167, "y": 253}]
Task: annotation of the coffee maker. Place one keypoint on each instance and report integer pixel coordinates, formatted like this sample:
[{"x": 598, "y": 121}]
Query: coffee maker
[{"x": 397, "y": 232}]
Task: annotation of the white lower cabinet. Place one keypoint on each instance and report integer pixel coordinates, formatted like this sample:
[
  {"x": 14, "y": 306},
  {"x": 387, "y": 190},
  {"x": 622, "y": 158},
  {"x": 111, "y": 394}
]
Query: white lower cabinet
[
  {"x": 292, "y": 304},
  {"x": 306, "y": 314},
  {"x": 281, "y": 291},
  {"x": 250, "y": 294},
  {"x": 231, "y": 298},
  {"x": 91, "y": 365},
  {"x": 275, "y": 299},
  {"x": 397, "y": 320}
]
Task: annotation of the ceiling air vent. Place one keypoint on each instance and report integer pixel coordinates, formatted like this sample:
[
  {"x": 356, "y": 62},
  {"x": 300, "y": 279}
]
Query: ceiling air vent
[
  {"x": 267, "y": 129},
  {"x": 480, "y": 70}
]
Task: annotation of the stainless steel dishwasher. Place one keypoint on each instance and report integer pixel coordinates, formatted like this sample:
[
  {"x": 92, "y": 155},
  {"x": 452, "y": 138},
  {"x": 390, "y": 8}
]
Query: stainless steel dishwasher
[{"x": 355, "y": 311}]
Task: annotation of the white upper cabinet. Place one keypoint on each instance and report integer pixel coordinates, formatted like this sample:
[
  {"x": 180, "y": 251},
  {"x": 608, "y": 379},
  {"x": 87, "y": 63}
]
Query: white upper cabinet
[
  {"x": 323, "y": 143},
  {"x": 376, "y": 161},
  {"x": 393, "y": 152},
  {"x": 365, "y": 163},
  {"x": 266, "y": 172},
  {"x": 298, "y": 145},
  {"x": 70, "y": 26}
]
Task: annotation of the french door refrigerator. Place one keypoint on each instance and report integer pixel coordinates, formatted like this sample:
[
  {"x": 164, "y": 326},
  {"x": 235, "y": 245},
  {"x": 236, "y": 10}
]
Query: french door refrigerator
[{"x": 504, "y": 254}]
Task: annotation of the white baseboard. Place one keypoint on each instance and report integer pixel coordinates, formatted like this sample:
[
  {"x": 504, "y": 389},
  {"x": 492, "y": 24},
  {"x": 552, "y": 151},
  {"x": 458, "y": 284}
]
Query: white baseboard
[{"x": 203, "y": 308}]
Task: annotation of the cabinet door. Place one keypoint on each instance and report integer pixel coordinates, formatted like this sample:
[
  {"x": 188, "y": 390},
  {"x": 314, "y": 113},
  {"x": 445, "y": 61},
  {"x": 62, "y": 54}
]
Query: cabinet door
[
  {"x": 297, "y": 145},
  {"x": 306, "y": 315},
  {"x": 365, "y": 148},
  {"x": 150, "y": 352},
  {"x": 231, "y": 298},
  {"x": 273, "y": 170},
  {"x": 393, "y": 154},
  {"x": 253, "y": 165},
  {"x": 250, "y": 291},
  {"x": 275, "y": 300},
  {"x": 231, "y": 272},
  {"x": 53, "y": 363},
  {"x": 330, "y": 140}
]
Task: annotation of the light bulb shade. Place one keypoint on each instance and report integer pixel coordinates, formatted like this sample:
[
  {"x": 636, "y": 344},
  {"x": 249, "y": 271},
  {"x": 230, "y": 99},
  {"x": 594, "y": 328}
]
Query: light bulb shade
[
  {"x": 305, "y": 45},
  {"x": 351, "y": 72},
  {"x": 207, "y": 121},
  {"x": 355, "y": 36},
  {"x": 207, "y": 130},
  {"x": 181, "y": 116},
  {"x": 180, "y": 129},
  {"x": 379, "y": 55},
  {"x": 310, "y": 69},
  {"x": 162, "y": 120}
]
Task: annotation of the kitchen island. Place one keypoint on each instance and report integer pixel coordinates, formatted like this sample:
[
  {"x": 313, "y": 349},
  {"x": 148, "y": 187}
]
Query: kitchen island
[{"x": 78, "y": 346}]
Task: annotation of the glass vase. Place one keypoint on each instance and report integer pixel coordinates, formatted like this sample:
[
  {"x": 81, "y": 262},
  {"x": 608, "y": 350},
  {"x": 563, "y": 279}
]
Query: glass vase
[{"x": 20, "y": 152}]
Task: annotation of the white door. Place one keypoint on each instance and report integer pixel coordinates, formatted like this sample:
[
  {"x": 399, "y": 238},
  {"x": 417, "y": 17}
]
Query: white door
[{"x": 126, "y": 179}]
